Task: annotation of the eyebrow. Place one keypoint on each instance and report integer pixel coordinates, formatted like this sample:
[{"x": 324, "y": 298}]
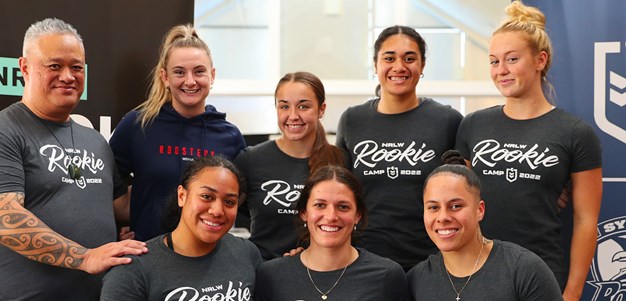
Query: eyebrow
[
  {"x": 59, "y": 59},
  {"x": 299, "y": 101},
  {"x": 215, "y": 191},
  {"x": 393, "y": 52}
]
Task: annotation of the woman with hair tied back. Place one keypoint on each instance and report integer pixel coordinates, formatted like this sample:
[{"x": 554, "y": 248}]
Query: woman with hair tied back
[
  {"x": 154, "y": 142},
  {"x": 330, "y": 268},
  {"x": 468, "y": 265},
  {"x": 275, "y": 170},
  {"x": 392, "y": 143},
  {"x": 198, "y": 259},
  {"x": 527, "y": 151}
]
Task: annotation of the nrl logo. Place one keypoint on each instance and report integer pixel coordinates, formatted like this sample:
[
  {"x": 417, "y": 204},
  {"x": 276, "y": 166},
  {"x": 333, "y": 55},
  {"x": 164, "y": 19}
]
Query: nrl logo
[
  {"x": 511, "y": 174},
  {"x": 608, "y": 268},
  {"x": 392, "y": 172}
]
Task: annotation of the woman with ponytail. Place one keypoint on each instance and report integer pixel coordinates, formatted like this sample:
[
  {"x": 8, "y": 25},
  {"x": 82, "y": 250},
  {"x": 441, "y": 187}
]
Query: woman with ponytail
[
  {"x": 276, "y": 170},
  {"x": 470, "y": 266},
  {"x": 153, "y": 143},
  {"x": 527, "y": 151}
]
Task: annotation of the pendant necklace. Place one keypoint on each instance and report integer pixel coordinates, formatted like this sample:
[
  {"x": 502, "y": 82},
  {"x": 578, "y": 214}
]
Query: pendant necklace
[
  {"x": 72, "y": 170},
  {"x": 324, "y": 295},
  {"x": 458, "y": 293}
]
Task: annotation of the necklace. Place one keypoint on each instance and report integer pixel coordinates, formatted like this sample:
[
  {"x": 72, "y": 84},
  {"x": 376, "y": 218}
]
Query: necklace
[
  {"x": 72, "y": 170},
  {"x": 324, "y": 295},
  {"x": 458, "y": 293}
]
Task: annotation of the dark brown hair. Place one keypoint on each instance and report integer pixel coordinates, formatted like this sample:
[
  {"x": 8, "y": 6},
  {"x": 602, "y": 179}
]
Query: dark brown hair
[
  {"x": 334, "y": 173},
  {"x": 323, "y": 153},
  {"x": 392, "y": 31}
]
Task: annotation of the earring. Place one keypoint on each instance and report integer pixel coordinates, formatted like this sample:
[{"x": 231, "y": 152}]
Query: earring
[
  {"x": 305, "y": 224},
  {"x": 422, "y": 75}
]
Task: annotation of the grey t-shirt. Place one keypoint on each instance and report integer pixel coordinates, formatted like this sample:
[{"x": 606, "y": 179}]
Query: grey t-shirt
[
  {"x": 523, "y": 166},
  {"x": 274, "y": 180},
  {"x": 34, "y": 155},
  {"x": 392, "y": 154},
  {"x": 370, "y": 277},
  {"x": 510, "y": 273},
  {"x": 227, "y": 273}
]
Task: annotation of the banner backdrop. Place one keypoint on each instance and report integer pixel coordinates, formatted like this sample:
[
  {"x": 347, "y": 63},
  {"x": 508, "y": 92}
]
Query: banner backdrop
[
  {"x": 589, "y": 75},
  {"x": 121, "y": 38}
]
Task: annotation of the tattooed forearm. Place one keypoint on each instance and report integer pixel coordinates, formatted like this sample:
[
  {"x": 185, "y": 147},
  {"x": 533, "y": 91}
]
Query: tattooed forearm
[{"x": 24, "y": 233}]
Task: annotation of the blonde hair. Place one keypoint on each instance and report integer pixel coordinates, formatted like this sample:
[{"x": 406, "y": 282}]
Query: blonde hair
[
  {"x": 178, "y": 37},
  {"x": 531, "y": 21}
]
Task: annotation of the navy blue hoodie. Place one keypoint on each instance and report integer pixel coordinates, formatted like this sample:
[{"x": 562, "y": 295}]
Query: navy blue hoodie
[{"x": 156, "y": 156}]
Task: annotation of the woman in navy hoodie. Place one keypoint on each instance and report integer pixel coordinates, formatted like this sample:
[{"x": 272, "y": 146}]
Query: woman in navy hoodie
[{"x": 153, "y": 143}]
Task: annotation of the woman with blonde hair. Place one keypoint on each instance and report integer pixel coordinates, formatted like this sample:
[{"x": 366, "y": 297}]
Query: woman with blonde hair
[
  {"x": 526, "y": 152},
  {"x": 154, "y": 142}
]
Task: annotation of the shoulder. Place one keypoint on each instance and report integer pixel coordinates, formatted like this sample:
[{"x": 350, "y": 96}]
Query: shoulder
[
  {"x": 241, "y": 247},
  {"x": 271, "y": 267},
  {"x": 485, "y": 113},
  {"x": 364, "y": 108},
  {"x": 513, "y": 251},
  {"x": 130, "y": 119},
  {"x": 88, "y": 132},
  {"x": 423, "y": 268},
  {"x": 481, "y": 116},
  {"x": 372, "y": 259},
  {"x": 264, "y": 146},
  {"x": 440, "y": 110},
  {"x": 577, "y": 124}
]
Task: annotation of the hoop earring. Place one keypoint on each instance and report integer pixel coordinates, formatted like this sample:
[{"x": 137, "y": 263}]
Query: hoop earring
[{"x": 422, "y": 75}]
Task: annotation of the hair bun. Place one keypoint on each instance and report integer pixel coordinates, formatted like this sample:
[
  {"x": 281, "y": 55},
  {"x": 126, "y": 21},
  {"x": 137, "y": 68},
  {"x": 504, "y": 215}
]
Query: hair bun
[
  {"x": 518, "y": 12},
  {"x": 454, "y": 157}
]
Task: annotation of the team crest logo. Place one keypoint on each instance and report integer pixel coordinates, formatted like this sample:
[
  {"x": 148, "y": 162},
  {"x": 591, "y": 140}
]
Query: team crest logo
[
  {"x": 608, "y": 268},
  {"x": 511, "y": 174},
  {"x": 392, "y": 172},
  {"x": 616, "y": 86}
]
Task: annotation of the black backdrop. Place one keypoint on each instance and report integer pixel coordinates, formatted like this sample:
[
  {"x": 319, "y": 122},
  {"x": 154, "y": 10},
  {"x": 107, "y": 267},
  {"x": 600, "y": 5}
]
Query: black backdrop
[{"x": 121, "y": 38}]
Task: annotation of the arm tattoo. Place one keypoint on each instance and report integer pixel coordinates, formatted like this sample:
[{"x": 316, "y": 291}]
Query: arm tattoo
[{"x": 24, "y": 233}]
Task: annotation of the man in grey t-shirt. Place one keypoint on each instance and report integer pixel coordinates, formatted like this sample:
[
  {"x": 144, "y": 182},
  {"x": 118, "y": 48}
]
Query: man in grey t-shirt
[{"x": 57, "y": 180}]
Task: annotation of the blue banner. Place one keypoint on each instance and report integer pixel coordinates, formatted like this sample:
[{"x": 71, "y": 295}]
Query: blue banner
[{"x": 589, "y": 75}]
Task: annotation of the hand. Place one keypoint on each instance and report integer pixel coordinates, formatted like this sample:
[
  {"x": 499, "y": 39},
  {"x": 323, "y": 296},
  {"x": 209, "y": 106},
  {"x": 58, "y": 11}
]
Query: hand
[
  {"x": 565, "y": 197},
  {"x": 294, "y": 252},
  {"x": 125, "y": 233},
  {"x": 102, "y": 258}
]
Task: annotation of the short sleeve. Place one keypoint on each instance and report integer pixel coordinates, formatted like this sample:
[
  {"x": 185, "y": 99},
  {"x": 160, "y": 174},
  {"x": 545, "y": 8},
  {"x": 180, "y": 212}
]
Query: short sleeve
[{"x": 124, "y": 282}]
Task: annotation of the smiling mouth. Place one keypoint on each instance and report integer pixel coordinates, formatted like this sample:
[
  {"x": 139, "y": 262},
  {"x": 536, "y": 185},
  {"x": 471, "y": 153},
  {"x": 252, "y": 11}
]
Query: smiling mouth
[
  {"x": 211, "y": 224},
  {"x": 190, "y": 91},
  {"x": 329, "y": 228},
  {"x": 294, "y": 126},
  {"x": 398, "y": 78},
  {"x": 447, "y": 231}
]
